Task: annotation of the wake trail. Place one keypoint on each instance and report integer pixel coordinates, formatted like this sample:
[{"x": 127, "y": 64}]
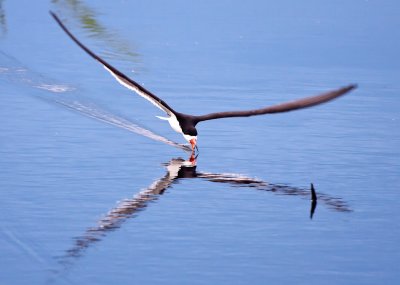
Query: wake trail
[{"x": 101, "y": 115}]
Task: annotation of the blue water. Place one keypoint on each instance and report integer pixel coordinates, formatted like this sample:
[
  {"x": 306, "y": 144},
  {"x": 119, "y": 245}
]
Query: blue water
[{"x": 89, "y": 185}]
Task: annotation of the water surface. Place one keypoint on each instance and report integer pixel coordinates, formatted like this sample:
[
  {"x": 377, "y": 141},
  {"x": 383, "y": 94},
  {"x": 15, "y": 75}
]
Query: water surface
[{"x": 90, "y": 192}]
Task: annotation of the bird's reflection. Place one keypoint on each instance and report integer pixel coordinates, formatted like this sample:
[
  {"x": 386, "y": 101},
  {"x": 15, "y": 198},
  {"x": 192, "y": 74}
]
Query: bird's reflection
[{"x": 178, "y": 168}]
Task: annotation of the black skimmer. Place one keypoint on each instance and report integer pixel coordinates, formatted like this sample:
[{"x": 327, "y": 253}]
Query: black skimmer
[{"x": 186, "y": 124}]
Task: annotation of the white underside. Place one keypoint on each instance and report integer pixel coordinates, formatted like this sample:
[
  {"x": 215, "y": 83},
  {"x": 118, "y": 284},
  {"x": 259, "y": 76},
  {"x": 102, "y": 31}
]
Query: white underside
[
  {"x": 171, "y": 119},
  {"x": 140, "y": 93}
]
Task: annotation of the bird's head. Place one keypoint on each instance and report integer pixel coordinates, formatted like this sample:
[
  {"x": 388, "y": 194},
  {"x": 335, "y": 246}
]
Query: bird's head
[
  {"x": 192, "y": 140},
  {"x": 190, "y": 134}
]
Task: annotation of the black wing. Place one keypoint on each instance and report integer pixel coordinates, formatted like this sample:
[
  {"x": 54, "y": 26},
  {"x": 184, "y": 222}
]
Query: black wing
[
  {"x": 121, "y": 78},
  {"x": 283, "y": 107}
]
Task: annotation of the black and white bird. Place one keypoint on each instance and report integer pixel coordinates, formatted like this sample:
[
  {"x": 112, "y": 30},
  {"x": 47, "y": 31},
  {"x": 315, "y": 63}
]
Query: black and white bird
[{"x": 186, "y": 124}]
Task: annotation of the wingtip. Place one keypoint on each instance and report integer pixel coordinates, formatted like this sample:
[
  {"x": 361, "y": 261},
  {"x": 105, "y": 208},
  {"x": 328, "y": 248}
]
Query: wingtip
[
  {"x": 55, "y": 17},
  {"x": 352, "y": 86},
  {"x": 348, "y": 88}
]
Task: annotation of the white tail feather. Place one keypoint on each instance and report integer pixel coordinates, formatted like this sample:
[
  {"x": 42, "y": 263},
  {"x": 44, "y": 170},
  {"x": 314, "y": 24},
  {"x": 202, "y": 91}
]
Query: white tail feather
[{"x": 163, "y": 118}]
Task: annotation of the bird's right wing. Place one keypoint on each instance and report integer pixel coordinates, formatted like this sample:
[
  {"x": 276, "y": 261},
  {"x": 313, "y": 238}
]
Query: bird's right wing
[{"x": 119, "y": 76}]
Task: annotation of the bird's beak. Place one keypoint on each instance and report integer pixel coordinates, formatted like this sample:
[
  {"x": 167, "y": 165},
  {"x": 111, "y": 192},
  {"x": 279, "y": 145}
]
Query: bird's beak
[{"x": 193, "y": 143}]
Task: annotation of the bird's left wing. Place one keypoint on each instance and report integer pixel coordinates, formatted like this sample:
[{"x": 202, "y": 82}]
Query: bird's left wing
[
  {"x": 280, "y": 108},
  {"x": 119, "y": 76}
]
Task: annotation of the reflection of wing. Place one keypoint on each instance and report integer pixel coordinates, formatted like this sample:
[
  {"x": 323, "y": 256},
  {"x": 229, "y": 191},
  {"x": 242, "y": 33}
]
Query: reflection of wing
[
  {"x": 235, "y": 180},
  {"x": 126, "y": 209}
]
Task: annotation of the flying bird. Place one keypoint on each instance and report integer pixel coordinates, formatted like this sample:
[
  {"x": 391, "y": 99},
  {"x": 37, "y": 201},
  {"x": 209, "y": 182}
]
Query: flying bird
[{"x": 185, "y": 123}]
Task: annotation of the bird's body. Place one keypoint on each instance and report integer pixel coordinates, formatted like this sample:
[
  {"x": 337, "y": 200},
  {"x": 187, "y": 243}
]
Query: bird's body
[{"x": 185, "y": 123}]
